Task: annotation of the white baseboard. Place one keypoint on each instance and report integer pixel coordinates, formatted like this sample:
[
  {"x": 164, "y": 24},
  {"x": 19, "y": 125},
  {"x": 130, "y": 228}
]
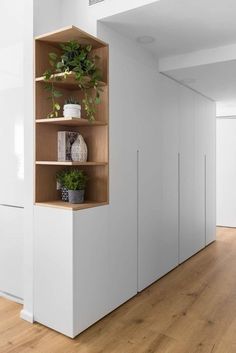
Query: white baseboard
[
  {"x": 11, "y": 297},
  {"x": 27, "y": 316}
]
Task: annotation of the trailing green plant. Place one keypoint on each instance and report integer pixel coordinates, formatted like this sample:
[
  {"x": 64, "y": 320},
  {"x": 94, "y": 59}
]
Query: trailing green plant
[
  {"x": 71, "y": 100},
  {"x": 75, "y": 179},
  {"x": 53, "y": 94},
  {"x": 77, "y": 59}
]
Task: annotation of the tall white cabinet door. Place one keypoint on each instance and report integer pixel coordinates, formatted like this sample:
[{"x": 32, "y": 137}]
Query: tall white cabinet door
[
  {"x": 149, "y": 195},
  {"x": 211, "y": 173},
  {"x": 11, "y": 102},
  {"x": 169, "y": 111},
  {"x": 122, "y": 211},
  {"x": 158, "y": 186},
  {"x": 11, "y": 251},
  {"x": 187, "y": 241},
  {"x": 200, "y": 136}
]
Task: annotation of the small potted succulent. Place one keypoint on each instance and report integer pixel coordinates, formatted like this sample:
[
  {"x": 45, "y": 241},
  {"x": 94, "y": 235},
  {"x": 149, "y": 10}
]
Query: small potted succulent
[
  {"x": 60, "y": 176},
  {"x": 72, "y": 108},
  {"x": 75, "y": 181}
]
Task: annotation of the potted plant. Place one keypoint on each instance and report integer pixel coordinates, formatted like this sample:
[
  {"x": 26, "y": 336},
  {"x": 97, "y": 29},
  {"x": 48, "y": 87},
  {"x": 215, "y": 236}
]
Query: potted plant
[
  {"x": 76, "y": 59},
  {"x": 72, "y": 108},
  {"x": 75, "y": 181},
  {"x": 60, "y": 177}
]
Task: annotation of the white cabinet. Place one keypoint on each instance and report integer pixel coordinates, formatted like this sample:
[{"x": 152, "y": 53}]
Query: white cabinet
[
  {"x": 197, "y": 173},
  {"x": 187, "y": 240},
  {"x": 169, "y": 128},
  {"x": 158, "y": 185},
  {"x": 53, "y": 269},
  {"x": 210, "y": 173},
  {"x": 176, "y": 189},
  {"x": 89, "y": 262},
  {"x": 12, "y": 191},
  {"x": 199, "y": 200},
  {"x": 11, "y": 251},
  {"x": 125, "y": 102},
  {"x": 83, "y": 268},
  {"x": 11, "y": 102}
]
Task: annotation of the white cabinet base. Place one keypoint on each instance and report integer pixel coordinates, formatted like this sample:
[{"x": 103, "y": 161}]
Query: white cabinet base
[{"x": 74, "y": 272}]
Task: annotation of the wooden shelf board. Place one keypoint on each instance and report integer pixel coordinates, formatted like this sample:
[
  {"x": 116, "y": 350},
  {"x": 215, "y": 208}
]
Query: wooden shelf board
[
  {"x": 70, "y": 122},
  {"x": 69, "y": 82},
  {"x": 71, "y": 33},
  {"x": 69, "y": 206},
  {"x": 70, "y": 163}
]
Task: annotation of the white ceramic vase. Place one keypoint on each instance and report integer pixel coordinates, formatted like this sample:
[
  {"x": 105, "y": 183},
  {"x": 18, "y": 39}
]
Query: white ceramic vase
[
  {"x": 79, "y": 150},
  {"x": 72, "y": 111}
]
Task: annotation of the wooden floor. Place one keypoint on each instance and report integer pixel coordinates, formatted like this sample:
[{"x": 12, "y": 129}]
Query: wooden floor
[{"x": 191, "y": 310}]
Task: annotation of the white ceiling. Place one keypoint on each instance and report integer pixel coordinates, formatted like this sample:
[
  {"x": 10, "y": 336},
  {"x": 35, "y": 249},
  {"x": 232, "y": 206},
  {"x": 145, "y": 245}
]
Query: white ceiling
[
  {"x": 183, "y": 26},
  {"x": 180, "y": 26},
  {"x": 217, "y": 81}
]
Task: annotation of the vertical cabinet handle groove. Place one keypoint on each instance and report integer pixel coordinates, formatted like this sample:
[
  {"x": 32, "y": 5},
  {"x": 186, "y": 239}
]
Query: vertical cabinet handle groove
[
  {"x": 205, "y": 194},
  {"x": 179, "y": 206},
  {"x": 138, "y": 220}
]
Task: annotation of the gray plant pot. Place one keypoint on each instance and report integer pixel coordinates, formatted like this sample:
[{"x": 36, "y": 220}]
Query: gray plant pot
[{"x": 76, "y": 196}]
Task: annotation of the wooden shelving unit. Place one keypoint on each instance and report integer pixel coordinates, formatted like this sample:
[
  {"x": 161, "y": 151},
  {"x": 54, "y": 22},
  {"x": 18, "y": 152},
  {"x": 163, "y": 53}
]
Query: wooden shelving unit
[{"x": 96, "y": 134}]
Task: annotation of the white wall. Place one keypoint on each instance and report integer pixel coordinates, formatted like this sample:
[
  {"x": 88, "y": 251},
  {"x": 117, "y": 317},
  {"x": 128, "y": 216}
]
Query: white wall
[
  {"x": 48, "y": 16},
  {"x": 226, "y": 109},
  {"x": 86, "y": 17},
  {"x": 226, "y": 171}
]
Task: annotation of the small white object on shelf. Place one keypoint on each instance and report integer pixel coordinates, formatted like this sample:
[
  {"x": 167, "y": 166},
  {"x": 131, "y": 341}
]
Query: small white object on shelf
[{"x": 72, "y": 111}]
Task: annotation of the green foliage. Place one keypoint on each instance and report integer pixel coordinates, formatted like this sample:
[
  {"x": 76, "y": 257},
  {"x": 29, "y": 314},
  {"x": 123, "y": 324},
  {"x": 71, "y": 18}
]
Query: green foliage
[
  {"x": 72, "y": 100},
  {"x": 60, "y": 177},
  {"x": 53, "y": 94},
  {"x": 76, "y": 58},
  {"x": 75, "y": 179}
]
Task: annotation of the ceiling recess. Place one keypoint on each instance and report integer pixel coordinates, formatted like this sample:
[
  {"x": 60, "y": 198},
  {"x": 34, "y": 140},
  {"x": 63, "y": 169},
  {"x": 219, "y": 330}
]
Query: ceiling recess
[{"x": 93, "y": 2}]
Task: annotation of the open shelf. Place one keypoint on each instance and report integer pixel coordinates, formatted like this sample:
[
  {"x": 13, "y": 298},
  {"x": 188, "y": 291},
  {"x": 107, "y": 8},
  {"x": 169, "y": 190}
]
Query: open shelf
[
  {"x": 70, "y": 206},
  {"x": 68, "y": 82},
  {"x": 70, "y": 122},
  {"x": 95, "y": 133},
  {"x": 44, "y": 106},
  {"x": 70, "y": 163}
]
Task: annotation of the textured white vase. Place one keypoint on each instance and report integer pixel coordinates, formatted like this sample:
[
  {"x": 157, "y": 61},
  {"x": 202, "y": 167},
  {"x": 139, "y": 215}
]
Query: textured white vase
[{"x": 79, "y": 150}]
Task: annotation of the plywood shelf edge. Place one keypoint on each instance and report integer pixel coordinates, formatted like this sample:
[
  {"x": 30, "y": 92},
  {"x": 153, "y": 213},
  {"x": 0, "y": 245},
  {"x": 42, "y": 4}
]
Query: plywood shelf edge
[
  {"x": 72, "y": 207},
  {"x": 70, "y": 163},
  {"x": 70, "y": 79},
  {"x": 70, "y": 121}
]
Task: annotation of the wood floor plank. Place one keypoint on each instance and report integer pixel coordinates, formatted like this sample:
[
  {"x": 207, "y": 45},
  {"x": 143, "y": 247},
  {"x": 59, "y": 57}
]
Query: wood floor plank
[{"x": 190, "y": 310}]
